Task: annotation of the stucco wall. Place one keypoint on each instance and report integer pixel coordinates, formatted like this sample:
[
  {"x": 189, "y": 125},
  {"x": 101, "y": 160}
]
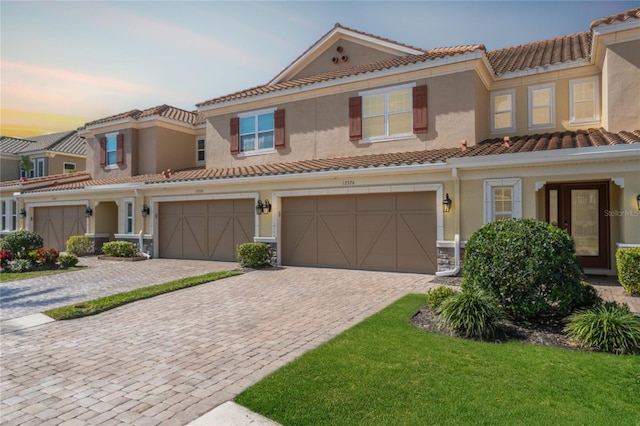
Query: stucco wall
[
  {"x": 9, "y": 169},
  {"x": 130, "y": 165},
  {"x": 621, "y": 85},
  {"x": 175, "y": 150},
  {"x": 56, "y": 163}
]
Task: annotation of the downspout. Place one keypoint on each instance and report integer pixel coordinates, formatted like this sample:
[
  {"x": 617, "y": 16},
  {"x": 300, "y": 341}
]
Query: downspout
[
  {"x": 456, "y": 219},
  {"x": 147, "y": 255}
]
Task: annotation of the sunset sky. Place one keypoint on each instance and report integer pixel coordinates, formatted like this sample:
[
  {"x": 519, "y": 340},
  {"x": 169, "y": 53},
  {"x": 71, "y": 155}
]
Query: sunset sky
[{"x": 66, "y": 63}]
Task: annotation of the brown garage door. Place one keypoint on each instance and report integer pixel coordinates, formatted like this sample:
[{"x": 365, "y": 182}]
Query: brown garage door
[
  {"x": 387, "y": 232},
  {"x": 208, "y": 230},
  {"x": 57, "y": 224}
]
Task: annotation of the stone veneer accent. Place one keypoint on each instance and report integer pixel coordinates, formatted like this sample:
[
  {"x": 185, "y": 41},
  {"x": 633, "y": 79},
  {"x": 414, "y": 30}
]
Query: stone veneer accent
[{"x": 447, "y": 258}]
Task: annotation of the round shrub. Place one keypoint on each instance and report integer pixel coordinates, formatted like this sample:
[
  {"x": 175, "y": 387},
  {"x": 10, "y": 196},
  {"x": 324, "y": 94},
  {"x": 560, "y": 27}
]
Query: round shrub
[
  {"x": 47, "y": 256},
  {"x": 80, "y": 245},
  {"x": 628, "y": 263},
  {"x": 589, "y": 298},
  {"x": 21, "y": 243},
  {"x": 20, "y": 265},
  {"x": 254, "y": 255},
  {"x": 436, "y": 296},
  {"x": 610, "y": 328},
  {"x": 68, "y": 260},
  {"x": 529, "y": 266},
  {"x": 119, "y": 249},
  {"x": 472, "y": 313}
]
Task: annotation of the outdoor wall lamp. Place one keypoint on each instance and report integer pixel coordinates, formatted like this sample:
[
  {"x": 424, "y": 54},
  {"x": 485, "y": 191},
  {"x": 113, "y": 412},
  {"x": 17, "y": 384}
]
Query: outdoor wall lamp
[
  {"x": 638, "y": 200},
  {"x": 145, "y": 210},
  {"x": 87, "y": 211},
  {"x": 23, "y": 213},
  {"x": 446, "y": 204},
  {"x": 263, "y": 208}
]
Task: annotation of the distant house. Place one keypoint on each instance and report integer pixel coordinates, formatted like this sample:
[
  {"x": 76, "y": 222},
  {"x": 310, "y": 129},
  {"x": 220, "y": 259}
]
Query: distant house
[{"x": 367, "y": 153}]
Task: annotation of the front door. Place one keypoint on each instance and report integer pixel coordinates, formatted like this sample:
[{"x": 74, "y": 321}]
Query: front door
[{"x": 579, "y": 208}]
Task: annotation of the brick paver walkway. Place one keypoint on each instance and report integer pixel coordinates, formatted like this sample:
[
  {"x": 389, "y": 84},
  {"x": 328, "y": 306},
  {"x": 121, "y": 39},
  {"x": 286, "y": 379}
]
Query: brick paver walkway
[{"x": 169, "y": 359}]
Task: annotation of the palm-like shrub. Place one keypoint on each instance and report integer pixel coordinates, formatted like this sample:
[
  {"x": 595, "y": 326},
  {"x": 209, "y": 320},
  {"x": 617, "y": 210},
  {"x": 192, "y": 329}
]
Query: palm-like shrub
[
  {"x": 530, "y": 267},
  {"x": 610, "y": 328},
  {"x": 472, "y": 313}
]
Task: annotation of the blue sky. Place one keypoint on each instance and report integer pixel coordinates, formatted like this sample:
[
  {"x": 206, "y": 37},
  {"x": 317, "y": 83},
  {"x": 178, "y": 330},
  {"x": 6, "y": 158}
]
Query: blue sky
[{"x": 65, "y": 63}]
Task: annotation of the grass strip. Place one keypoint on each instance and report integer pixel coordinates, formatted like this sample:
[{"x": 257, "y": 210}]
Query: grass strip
[
  {"x": 384, "y": 371},
  {"x": 92, "y": 307},
  {"x": 16, "y": 276}
]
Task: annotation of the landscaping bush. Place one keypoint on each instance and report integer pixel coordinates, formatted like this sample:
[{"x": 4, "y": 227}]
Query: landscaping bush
[
  {"x": 589, "y": 297},
  {"x": 529, "y": 266},
  {"x": 119, "y": 249},
  {"x": 436, "y": 296},
  {"x": 6, "y": 256},
  {"x": 610, "y": 328},
  {"x": 472, "y": 313},
  {"x": 80, "y": 245},
  {"x": 254, "y": 255},
  {"x": 628, "y": 261},
  {"x": 21, "y": 243},
  {"x": 68, "y": 260},
  {"x": 47, "y": 256},
  {"x": 20, "y": 265}
]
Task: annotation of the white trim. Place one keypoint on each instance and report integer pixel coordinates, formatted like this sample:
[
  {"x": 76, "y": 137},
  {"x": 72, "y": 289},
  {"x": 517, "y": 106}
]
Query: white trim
[
  {"x": 614, "y": 27},
  {"x": 618, "y": 181},
  {"x": 11, "y": 211},
  {"x": 256, "y": 150},
  {"x": 627, "y": 245},
  {"x": 386, "y": 114},
  {"x": 123, "y": 215},
  {"x": 387, "y": 89},
  {"x": 551, "y": 87},
  {"x": 596, "y": 101},
  {"x": 540, "y": 185},
  {"x": 516, "y": 197},
  {"x": 512, "y": 93},
  {"x": 257, "y": 112},
  {"x": 450, "y": 243},
  {"x": 545, "y": 69}
]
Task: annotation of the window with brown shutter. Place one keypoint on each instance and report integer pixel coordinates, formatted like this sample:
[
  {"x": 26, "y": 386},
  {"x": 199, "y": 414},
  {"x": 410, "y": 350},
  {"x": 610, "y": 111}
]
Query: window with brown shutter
[
  {"x": 103, "y": 151},
  {"x": 235, "y": 135},
  {"x": 120, "y": 149},
  {"x": 420, "y": 119},
  {"x": 355, "y": 118},
  {"x": 279, "y": 136}
]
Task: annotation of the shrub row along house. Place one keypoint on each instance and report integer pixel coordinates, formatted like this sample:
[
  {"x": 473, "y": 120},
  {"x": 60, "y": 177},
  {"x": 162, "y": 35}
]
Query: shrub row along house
[{"x": 367, "y": 153}]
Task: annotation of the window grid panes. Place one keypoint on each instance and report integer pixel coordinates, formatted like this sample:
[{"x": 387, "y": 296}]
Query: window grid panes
[
  {"x": 387, "y": 114},
  {"x": 112, "y": 149},
  {"x": 256, "y": 132},
  {"x": 69, "y": 167},
  {"x": 503, "y": 111},
  {"x": 200, "y": 150},
  {"x": 4, "y": 215},
  {"x": 541, "y": 107},
  {"x": 502, "y": 202},
  {"x": 584, "y": 101},
  {"x": 129, "y": 218},
  {"x": 8, "y": 215}
]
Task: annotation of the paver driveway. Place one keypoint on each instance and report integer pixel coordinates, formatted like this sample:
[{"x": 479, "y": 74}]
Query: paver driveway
[{"x": 170, "y": 359}]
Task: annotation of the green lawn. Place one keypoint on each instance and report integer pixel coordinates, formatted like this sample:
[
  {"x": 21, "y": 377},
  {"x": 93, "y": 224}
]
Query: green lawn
[
  {"x": 15, "y": 276},
  {"x": 384, "y": 371}
]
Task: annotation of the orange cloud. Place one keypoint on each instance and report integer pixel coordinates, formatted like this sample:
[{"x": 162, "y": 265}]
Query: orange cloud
[{"x": 22, "y": 124}]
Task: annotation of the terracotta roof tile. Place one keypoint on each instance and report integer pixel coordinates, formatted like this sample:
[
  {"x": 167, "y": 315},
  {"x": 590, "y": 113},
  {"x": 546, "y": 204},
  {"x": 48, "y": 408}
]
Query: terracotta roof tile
[
  {"x": 167, "y": 111},
  {"x": 46, "y": 180},
  {"x": 618, "y": 17}
]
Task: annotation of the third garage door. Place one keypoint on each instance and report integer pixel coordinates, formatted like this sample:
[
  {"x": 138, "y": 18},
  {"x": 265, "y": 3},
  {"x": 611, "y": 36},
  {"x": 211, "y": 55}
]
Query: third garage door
[
  {"x": 387, "y": 232},
  {"x": 207, "y": 230}
]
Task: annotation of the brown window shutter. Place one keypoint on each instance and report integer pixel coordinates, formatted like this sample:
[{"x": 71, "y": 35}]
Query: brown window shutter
[
  {"x": 420, "y": 120},
  {"x": 120, "y": 149},
  {"x": 235, "y": 135},
  {"x": 103, "y": 151},
  {"x": 278, "y": 118},
  {"x": 355, "y": 118}
]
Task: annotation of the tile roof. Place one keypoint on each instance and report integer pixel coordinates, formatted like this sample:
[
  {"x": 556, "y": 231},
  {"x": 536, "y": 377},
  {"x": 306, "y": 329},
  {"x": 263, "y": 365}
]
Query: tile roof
[
  {"x": 46, "y": 180},
  {"x": 518, "y": 144},
  {"x": 64, "y": 142},
  {"x": 166, "y": 111},
  {"x": 618, "y": 17}
]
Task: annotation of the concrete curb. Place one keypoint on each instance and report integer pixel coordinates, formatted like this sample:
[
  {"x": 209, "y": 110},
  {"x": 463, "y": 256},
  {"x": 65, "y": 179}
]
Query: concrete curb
[
  {"x": 21, "y": 323},
  {"x": 232, "y": 414}
]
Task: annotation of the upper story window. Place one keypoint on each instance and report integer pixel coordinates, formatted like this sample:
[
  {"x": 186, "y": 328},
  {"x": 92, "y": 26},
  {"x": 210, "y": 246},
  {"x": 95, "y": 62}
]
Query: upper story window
[
  {"x": 39, "y": 165},
  {"x": 542, "y": 106},
  {"x": 503, "y": 111},
  {"x": 68, "y": 167},
  {"x": 258, "y": 132},
  {"x": 502, "y": 199},
  {"x": 584, "y": 100},
  {"x": 8, "y": 215},
  {"x": 200, "y": 150},
  {"x": 388, "y": 113},
  {"x": 112, "y": 150}
]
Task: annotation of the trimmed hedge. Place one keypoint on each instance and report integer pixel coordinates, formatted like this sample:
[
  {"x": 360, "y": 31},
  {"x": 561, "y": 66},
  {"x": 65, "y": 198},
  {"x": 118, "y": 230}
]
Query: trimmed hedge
[
  {"x": 80, "y": 245},
  {"x": 254, "y": 255},
  {"x": 628, "y": 261},
  {"x": 119, "y": 249}
]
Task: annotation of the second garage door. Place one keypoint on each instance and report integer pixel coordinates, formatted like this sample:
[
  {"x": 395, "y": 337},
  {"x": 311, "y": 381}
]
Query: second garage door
[
  {"x": 57, "y": 224},
  {"x": 387, "y": 232},
  {"x": 206, "y": 230}
]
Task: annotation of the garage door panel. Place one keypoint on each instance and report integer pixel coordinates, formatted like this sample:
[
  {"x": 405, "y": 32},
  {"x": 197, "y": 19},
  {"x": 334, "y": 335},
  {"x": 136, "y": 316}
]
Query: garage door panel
[
  {"x": 376, "y": 242},
  {"x": 57, "y": 223},
  {"x": 334, "y": 205},
  {"x": 335, "y": 240},
  {"x": 194, "y": 241},
  {"x": 300, "y": 245},
  {"x": 369, "y": 203},
  {"x": 171, "y": 232}
]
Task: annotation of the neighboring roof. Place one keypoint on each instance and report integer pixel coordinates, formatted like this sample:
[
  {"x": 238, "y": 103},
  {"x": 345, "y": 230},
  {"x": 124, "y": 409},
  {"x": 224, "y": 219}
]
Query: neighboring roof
[
  {"x": 64, "y": 142},
  {"x": 618, "y": 17},
  {"x": 518, "y": 144},
  {"x": 165, "y": 111},
  {"x": 47, "y": 181}
]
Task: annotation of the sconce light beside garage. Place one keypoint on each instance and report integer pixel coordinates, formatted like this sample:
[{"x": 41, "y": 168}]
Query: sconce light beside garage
[
  {"x": 145, "y": 210},
  {"x": 446, "y": 204},
  {"x": 638, "y": 200},
  {"x": 88, "y": 211},
  {"x": 263, "y": 208},
  {"x": 23, "y": 213}
]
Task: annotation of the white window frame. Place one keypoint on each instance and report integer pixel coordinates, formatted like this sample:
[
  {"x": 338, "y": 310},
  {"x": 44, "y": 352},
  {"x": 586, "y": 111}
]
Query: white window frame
[
  {"x": 113, "y": 165},
  {"x": 125, "y": 217},
  {"x": 596, "y": 101},
  {"x": 9, "y": 215},
  {"x": 386, "y": 91},
  {"x": 203, "y": 150},
  {"x": 511, "y": 92},
  {"x": 40, "y": 166},
  {"x": 257, "y": 151},
  {"x": 551, "y": 87},
  {"x": 64, "y": 167},
  {"x": 516, "y": 201}
]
